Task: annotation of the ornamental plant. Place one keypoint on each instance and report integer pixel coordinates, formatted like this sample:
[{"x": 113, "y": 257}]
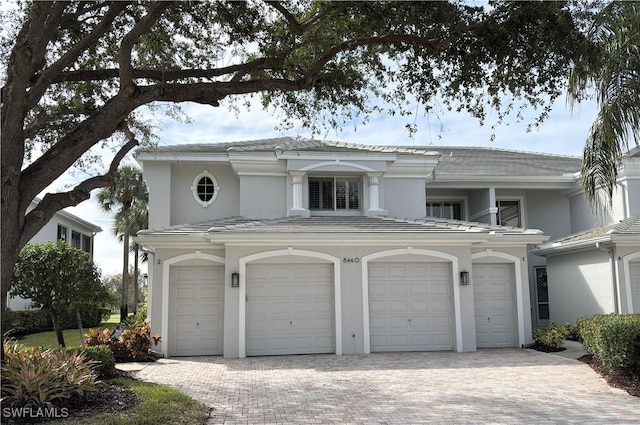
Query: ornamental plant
[
  {"x": 35, "y": 378},
  {"x": 133, "y": 344}
]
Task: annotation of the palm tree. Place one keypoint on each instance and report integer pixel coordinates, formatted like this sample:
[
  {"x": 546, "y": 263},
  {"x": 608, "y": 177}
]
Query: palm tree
[
  {"x": 136, "y": 219},
  {"x": 127, "y": 191},
  {"x": 614, "y": 73}
]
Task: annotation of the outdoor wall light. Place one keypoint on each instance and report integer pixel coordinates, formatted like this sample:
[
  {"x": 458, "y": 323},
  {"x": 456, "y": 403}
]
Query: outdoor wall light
[
  {"x": 235, "y": 280},
  {"x": 464, "y": 278}
]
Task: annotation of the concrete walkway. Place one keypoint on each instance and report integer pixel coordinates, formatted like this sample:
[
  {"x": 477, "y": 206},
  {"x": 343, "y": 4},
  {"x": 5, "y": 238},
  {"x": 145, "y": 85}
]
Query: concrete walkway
[{"x": 501, "y": 386}]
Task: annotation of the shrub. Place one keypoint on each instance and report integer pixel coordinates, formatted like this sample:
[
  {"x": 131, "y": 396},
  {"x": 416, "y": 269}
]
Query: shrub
[
  {"x": 26, "y": 322},
  {"x": 91, "y": 314},
  {"x": 613, "y": 338},
  {"x": 103, "y": 355},
  {"x": 97, "y": 337},
  {"x": 133, "y": 344},
  {"x": 44, "y": 378},
  {"x": 141, "y": 313},
  {"x": 552, "y": 336}
]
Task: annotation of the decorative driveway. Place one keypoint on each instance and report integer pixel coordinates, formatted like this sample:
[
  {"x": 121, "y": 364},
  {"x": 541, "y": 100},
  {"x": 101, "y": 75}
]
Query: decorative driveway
[{"x": 501, "y": 386}]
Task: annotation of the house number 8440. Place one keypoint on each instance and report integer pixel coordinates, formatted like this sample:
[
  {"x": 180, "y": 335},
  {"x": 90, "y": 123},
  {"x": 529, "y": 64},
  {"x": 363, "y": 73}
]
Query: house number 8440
[{"x": 350, "y": 260}]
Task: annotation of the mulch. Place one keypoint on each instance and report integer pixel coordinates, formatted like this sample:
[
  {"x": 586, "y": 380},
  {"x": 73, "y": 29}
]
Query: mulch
[
  {"x": 109, "y": 398},
  {"x": 625, "y": 379}
]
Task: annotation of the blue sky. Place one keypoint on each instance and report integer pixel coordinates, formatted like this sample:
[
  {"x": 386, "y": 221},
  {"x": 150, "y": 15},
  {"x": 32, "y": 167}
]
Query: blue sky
[{"x": 563, "y": 133}]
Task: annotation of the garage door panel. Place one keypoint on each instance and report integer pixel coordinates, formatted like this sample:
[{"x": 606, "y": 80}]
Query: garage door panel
[
  {"x": 440, "y": 272},
  {"x": 493, "y": 290},
  {"x": 407, "y": 310},
  {"x": 294, "y": 313},
  {"x": 196, "y": 310},
  {"x": 377, "y": 289},
  {"x": 398, "y": 306},
  {"x": 396, "y": 271}
]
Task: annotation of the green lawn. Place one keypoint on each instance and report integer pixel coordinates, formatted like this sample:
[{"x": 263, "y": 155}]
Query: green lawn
[
  {"x": 71, "y": 336},
  {"x": 158, "y": 405}
]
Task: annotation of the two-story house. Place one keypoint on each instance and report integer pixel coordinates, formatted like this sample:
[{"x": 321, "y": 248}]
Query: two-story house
[
  {"x": 62, "y": 226},
  {"x": 288, "y": 246}
]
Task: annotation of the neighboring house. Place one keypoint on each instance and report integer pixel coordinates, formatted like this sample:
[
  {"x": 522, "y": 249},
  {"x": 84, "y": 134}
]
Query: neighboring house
[
  {"x": 596, "y": 269},
  {"x": 288, "y": 246},
  {"x": 63, "y": 226}
]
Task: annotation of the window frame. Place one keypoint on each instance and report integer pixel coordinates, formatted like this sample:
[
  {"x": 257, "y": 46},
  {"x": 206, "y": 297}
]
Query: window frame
[
  {"x": 66, "y": 233},
  {"x": 348, "y": 180},
  {"x": 521, "y": 209},
  {"x": 196, "y": 183},
  {"x": 460, "y": 201}
]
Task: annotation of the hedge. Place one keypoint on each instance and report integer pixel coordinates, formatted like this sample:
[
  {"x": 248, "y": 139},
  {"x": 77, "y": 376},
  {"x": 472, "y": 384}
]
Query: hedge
[
  {"x": 613, "y": 338},
  {"x": 34, "y": 321}
]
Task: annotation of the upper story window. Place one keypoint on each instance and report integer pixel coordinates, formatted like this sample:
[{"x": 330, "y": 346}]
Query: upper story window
[
  {"x": 81, "y": 241},
  {"x": 205, "y": 188},
  {"x": 445, "y": 209},
  {"x": 509, "y": 213},
  {"x": 334, "y": 193},
  {"x": 62, "y": 233}
]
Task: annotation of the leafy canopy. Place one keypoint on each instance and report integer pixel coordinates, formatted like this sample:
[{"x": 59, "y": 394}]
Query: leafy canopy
[{"x": 56, "y": 276}]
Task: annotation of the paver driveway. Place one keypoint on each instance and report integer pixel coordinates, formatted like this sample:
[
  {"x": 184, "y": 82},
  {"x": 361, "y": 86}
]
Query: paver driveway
[{"x": 487, "y": 387}]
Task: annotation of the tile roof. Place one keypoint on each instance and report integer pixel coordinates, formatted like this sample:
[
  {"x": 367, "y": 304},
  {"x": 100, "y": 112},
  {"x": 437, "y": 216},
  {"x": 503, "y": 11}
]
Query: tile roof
[
  {"x": 630, "y": 226},
  {"x": 628, "y": 230},
  {"x": 456, "y": 161},
  {"x": 341, "y": 225},
  {"x": 475, "y": 161}
]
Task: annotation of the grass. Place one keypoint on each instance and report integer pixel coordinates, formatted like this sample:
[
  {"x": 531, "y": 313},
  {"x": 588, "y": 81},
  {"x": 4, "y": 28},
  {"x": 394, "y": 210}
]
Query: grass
[
  {"x": 71, "y": 336},
  {"x": 158, "y": 405}
]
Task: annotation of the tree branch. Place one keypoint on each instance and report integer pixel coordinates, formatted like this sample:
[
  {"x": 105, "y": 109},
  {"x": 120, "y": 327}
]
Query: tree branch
[
  {"x": 53, "y": 202},
  {"x": 47, "y": 77},
  {"x": 293, "y": 22},
  {"x": 432, "y": 45},
  {"x": 152, "y": 74},
  {"x": 130, "y": 39}
]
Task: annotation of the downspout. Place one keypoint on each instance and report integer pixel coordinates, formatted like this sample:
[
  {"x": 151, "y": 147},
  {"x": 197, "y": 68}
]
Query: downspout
[{"x": 614, "y": 277}]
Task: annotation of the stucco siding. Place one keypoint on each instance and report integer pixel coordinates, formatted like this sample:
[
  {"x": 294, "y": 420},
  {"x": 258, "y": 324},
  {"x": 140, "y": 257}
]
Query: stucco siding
[
  {"x": 263, "y": 196},
  {"x": 185, "y": 208},
  {"x": 548, "y": 210},
  {"x": 579, "y": 285},
  {"x": 405, "y": 197}
]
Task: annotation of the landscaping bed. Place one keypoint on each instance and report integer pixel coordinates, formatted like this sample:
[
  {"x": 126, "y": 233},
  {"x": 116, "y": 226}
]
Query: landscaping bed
[{"x": 624, "y": 379}]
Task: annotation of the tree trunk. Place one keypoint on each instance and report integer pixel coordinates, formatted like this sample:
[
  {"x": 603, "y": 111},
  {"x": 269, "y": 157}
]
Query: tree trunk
[
  {"x": 56, "y": 327},
  {"x": 124, "y": 308},
  {"x": 9, "y": 252},
  {"x": 135, "y": 278},
  {"x": 80, "y": 327}
]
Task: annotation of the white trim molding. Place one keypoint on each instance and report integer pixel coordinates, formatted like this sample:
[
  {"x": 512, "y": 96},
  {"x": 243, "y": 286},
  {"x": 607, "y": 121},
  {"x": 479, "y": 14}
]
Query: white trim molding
[
  {"x": 165, "y": 289},
  {"x": 517, "y": 263},
  {"x": 242, "y": 293},
  {"x": 194, "y": 188},
  {"x": 626, "y": 260},
  {"x": 340, "y": 163},
  {"x": 410, "y": 251}
]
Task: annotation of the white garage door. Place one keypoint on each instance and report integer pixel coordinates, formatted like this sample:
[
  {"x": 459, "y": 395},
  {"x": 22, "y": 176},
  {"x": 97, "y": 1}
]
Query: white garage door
[
  {"x": 196, "y": 302},
  {"x": 493, "y": 291},
  {"x": 410, "y": 307},
  {"x": 290, "y": 309},
  {"x": 634, "y": 274}
]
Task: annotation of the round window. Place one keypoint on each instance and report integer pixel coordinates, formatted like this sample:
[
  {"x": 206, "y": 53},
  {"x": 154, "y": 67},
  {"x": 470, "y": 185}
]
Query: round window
[{"x": 205, "y": 188}]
